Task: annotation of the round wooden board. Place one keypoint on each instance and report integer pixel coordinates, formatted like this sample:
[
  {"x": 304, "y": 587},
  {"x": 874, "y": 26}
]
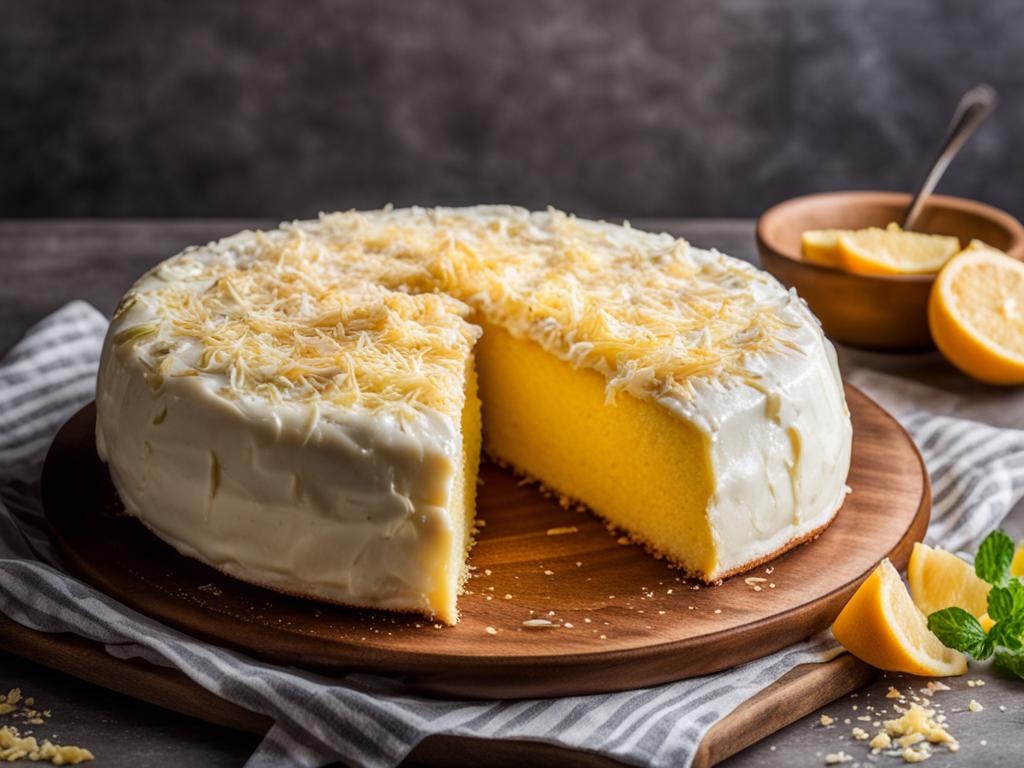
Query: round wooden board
[{"x": 622, "y": 619}]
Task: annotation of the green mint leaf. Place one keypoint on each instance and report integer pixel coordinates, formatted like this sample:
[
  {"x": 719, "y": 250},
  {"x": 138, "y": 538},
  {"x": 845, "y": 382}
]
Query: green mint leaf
[
  {"x": 1004, "y": 602},
  {"x": 992, "y": 563},
  {"x": 958, "y": 629},
  {"x": 1007, "y": 633},
  {"x": 1010, "y": 662}
]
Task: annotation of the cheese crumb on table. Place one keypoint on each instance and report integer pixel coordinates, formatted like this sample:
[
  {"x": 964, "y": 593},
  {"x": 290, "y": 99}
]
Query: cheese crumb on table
[
  {"x": 880, "y": 742},
  {"x": 16, "y": 747}
]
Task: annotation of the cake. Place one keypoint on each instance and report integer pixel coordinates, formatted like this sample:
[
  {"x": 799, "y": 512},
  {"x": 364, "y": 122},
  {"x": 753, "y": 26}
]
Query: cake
[{"x": 304, "y": 408}]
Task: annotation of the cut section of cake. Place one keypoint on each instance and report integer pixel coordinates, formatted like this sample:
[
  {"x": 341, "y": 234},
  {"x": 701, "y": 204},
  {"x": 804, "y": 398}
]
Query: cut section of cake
[{"x": 299, "y": 409}]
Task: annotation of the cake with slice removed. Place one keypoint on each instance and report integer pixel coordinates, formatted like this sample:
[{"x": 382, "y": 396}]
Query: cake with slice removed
[{"x": 299, "y": 408}]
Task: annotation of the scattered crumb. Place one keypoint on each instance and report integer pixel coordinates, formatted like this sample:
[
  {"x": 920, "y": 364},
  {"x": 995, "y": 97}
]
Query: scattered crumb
[
  {"x": 826, "y": 720},
  {"x": 914, "y": 733},
  {"x": 892, "y": 693},
  {"x": 860, "y": 734},
  {"x": 211, "y": 588},
  {"x": 881, "y": 741},
  {"x": 975, "y": 683},
  {"x": 974, "y": 706},
  {"x": 835, "y": 758},
  {"x": 914, "y": 755},
  {"x": 490, "y": 630},
  {"x": 537, "y": 623},
  {"x": 15, "y": 747},
  {"x": 563, "y": 530}
]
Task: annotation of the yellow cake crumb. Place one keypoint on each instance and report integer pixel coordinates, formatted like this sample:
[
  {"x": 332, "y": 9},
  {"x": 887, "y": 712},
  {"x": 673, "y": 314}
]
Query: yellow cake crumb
[
  {"x": 880, "y": 741},
  {"x": 914, "y": 755},
  {"x": 16, "y": 747}
]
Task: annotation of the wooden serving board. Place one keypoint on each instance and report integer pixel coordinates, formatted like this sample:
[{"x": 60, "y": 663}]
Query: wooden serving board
[
  {"x": 622, "y": 618},
  {"x": 799, "y": 692}
]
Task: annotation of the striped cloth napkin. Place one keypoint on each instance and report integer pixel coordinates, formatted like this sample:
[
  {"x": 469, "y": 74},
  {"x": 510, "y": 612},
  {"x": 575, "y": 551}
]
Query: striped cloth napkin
[{"x": 978, "y": 475}]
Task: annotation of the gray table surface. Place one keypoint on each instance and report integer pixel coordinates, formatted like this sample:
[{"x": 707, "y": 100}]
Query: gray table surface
[{"x": 44, "y": 264}]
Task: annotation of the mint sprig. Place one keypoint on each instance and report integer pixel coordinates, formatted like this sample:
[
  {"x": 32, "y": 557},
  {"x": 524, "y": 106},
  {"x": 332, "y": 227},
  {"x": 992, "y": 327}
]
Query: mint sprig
[
  {"x": 958, "y": 629},
  {"x": 1011, "y": 662},
  {"x": 992, "y": 563}
]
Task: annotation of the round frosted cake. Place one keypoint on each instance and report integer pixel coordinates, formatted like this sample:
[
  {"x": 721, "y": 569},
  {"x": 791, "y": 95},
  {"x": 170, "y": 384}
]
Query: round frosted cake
[{"x": 305, "y": 408}]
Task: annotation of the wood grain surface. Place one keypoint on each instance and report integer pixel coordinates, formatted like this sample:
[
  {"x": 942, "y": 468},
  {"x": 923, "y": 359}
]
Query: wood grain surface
[{"x": 620, "y": 619}]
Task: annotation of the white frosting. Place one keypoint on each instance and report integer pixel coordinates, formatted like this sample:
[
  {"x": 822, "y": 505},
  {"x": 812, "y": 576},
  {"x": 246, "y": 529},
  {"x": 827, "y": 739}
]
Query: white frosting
[
  {"x": 342, "y": 504},
  {"x": 780, "y": 456},
  {"x": 351, "y": 503}
]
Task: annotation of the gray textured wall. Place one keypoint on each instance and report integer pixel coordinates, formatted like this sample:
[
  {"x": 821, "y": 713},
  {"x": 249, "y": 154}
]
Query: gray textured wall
[{"x": 612, "y": 107}]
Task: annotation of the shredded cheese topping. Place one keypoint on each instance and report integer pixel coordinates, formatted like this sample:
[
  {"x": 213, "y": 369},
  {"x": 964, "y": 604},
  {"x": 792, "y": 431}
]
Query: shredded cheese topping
[{"x": 374, "y": 309}]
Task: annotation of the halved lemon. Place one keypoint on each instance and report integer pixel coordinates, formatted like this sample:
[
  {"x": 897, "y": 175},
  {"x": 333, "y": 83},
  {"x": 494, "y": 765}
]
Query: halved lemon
[
  {"x": 882, "y": 626},
  {"x": 822, "y": 246},
  {"x": 891, "y": 251},
  {"x": 939, "y": 579},
  {"x": 976, "y": 315}
]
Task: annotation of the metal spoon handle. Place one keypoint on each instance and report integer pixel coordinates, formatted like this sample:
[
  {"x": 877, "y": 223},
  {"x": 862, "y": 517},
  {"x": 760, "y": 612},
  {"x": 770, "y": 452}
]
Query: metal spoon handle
[{"x": 974, "y": 108}]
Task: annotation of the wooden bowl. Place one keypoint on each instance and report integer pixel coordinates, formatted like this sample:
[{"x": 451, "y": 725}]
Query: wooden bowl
[{"x": 872, "y": 311}]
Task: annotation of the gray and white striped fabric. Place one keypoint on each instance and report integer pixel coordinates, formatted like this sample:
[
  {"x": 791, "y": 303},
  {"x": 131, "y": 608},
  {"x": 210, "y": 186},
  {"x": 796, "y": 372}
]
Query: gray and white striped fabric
[{"x": 364, "y": 720}]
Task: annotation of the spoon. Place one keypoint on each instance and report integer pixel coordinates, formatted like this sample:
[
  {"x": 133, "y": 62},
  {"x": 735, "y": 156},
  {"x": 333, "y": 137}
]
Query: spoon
[{"x": 974, "y": 108}]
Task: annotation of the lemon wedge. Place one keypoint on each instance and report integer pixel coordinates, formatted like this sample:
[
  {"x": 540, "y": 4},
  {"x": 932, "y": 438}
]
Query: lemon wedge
[
  {"x": 882, "y": 626},
  {"x": 821, "y": 246},
  {"x": 976, "y": 315},
  {"x": 981, "y": 245},
  {"x": 891, "y": 251},
  {"x": 1017, "y": 566},
  {"x": 939, "y": 579}
]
